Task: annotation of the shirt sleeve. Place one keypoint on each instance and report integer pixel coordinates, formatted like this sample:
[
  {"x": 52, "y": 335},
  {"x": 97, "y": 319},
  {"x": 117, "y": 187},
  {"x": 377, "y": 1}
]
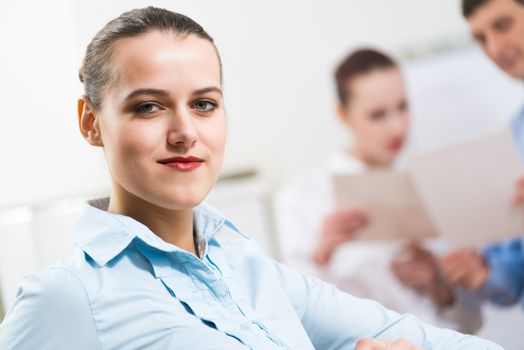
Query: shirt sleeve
[
  {"x": 505, "y": 284},
  {"x": 336, "y": 320},
  {"x": 51, "y": 311}
]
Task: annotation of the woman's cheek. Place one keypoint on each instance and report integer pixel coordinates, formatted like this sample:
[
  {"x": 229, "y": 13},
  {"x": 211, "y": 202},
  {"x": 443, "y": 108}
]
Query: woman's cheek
[
  {"x": 141, "y": 138},
  {"x": 214, "y": 135}
]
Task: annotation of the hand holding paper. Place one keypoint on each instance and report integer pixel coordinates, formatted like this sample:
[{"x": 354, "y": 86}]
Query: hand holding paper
[
  {"x": 465, "y": 193},
  {"x": 419, "y": 269},
  {"x": 337, "y": 228},
  {"x": 518, "y": 197},
  {"x": 465, "y": 268}
]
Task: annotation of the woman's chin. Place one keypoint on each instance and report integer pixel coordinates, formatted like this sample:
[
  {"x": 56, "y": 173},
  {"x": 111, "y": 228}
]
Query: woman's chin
[
  {"x": 186, "y": 203},
  {"x": 181, "y": 200}
]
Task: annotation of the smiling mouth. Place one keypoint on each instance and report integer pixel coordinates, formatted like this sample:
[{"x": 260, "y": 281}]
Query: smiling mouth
[
  {"x": 509, "y": 60},
  {"x": 396, "y": 145},
  {"x": 182, "y": 163}
]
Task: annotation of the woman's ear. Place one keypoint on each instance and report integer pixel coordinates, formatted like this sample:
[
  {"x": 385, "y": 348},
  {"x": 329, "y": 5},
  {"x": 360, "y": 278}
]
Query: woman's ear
[
  {"x": 343, "y": 114},
  {"x": 88, "y": 122}
]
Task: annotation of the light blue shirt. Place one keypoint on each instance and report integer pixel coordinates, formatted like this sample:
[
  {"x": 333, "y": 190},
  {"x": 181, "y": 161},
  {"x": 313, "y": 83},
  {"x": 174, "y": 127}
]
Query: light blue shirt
[
  {"x": 125, "y": 288},
  {"x": 505, "y": 284}
]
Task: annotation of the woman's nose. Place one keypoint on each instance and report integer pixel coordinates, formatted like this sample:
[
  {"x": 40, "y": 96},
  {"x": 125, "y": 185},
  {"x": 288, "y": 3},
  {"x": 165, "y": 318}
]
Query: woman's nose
[
  {"x": 182, "y": 131},
  {"x": 495, "y": 46},
  {"x": 398, "y": 124}
]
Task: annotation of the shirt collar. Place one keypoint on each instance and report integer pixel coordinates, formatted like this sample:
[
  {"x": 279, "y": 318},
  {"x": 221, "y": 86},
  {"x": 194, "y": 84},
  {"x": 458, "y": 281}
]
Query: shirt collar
[
  {"x": 103, "y": 235},
  {"x": 342, "y": 162}
]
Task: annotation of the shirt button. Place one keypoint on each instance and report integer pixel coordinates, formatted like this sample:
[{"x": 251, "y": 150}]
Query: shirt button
[{"x": 245, "y": 326}]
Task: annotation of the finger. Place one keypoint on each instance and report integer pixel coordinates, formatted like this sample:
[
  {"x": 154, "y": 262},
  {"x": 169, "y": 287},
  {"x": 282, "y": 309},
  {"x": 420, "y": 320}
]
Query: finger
[
  {"x": 322, "y": 256},
  {"x": 354, "y": 212},
  {"x": 519, "y": 181},
  {"x": 402, "y": 344},
  {"x": 450, "y": 259},
  {"x": 451, "y": 269},
  {"x": 518, "y": 198},
  {"x": 339, "y": 238},
  {"x": 348, "y": 221},
  {"x": 454, "y": 259},
  {"x": 415, "y": 244},
  {"x": 401, "y": 272},
  {"x": 354, "y": 225},
  {"x": 477, "y": 280},
  {"x": 457, "y": 277},
  {"x": 371, "y": 344},
  {"x": 338, "y": 221},
  {"x": 347, "y": 228}
]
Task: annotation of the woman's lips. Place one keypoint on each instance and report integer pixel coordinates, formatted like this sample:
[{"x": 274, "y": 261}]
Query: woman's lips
[
  {"x": 396, "y": 145},
  {"x": 182, "y": 163}
]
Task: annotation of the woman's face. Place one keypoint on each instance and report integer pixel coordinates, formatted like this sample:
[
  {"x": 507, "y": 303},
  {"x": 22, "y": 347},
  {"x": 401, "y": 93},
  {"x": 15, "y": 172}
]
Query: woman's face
[
  {"x": 162, "y": 123},
  {"x": 378, "y": 115}
]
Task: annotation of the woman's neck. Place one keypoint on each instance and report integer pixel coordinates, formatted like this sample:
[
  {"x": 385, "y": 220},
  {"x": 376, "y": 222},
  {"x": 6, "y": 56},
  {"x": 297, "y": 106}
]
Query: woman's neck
[
  {"x": 368, "y": 160},
  {"x": 173, "y": 226}
]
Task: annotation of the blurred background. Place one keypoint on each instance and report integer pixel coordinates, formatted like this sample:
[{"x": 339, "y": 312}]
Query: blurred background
[{"x": 278, "y": 60}]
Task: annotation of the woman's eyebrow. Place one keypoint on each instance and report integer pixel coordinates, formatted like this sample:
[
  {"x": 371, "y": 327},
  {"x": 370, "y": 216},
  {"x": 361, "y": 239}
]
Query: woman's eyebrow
[
  {"x": 163, "y": 93},
  {"x": 207, "y": 89},
  {"x": 147, "y": 91}
]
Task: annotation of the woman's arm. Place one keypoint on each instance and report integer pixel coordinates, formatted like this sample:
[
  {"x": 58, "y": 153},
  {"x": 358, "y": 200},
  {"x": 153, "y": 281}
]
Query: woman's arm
[
  {"x": 496, "y": 274},
  {"x": 336, "y": 320}
]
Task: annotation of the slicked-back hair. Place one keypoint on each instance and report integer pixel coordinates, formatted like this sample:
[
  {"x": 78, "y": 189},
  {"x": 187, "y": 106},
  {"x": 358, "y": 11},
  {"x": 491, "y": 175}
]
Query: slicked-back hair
[{"x": 358, "y": 63}]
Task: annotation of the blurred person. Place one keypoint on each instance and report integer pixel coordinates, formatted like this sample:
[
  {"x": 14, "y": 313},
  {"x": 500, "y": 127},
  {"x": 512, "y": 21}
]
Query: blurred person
[
  {"x": 154, "y": 268},
  {"x": 497, "y": 271},
  {"x": 316, "y": 237}
]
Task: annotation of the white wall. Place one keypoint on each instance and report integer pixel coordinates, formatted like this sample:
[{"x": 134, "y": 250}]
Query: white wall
[{"x": 278, "y": 60}]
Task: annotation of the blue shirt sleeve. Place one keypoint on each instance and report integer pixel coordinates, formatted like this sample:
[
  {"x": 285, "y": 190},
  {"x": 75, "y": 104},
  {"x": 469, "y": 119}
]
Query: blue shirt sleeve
[
  {"x": 52, "y": 311},
  {"x": 336, "y": 320},
  {"x": 505, "y": 284}
]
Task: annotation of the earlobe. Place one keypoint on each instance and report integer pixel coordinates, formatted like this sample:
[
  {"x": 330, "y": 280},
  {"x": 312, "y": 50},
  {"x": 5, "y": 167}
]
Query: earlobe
[
  {"x": 343, "y": 114},
  {"x": 88, "y": 122}
]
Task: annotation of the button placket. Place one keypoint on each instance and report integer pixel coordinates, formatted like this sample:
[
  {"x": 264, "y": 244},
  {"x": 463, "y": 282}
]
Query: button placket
[{"x": 237, "y": 295}]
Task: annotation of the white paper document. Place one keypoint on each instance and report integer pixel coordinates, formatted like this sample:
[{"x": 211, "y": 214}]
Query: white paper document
[
  {"x": 390, "y": 200},
  {"x": 462, "y": 193}
]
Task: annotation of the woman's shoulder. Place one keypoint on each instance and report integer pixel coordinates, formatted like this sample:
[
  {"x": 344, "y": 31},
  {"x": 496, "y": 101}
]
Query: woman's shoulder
[
  {"x": 62, "y": 280},
  {"x": 52, "y": 308},
  {"x": 68, "y": 281}
]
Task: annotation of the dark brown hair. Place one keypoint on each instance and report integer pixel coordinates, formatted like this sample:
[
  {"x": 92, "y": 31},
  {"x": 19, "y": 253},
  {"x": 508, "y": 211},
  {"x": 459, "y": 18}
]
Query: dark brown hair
[
  {"x": 358, "y": 63},
  {"x": 96, "y": 71},
  {"x": 470, "y": 6}
]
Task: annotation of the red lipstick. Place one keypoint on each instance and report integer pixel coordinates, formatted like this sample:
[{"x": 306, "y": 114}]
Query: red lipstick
[
  {"x": 396, "y": 144},
  {"x": 182, "y": 163}
]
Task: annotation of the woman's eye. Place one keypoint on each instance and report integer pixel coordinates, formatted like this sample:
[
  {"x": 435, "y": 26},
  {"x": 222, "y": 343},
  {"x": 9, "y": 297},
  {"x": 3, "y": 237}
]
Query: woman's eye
[
  {"x": 481, "y": 39},
  {"x": 377, "y": 115},
  {"x": 147, "y": 108},
  {"x": 503, "y": 24},
  {"x": 204, "y": 106},
  {"x": 403, "y": 106}
]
